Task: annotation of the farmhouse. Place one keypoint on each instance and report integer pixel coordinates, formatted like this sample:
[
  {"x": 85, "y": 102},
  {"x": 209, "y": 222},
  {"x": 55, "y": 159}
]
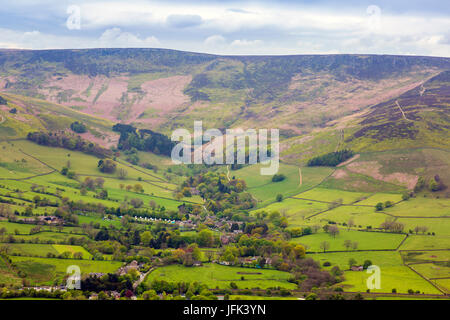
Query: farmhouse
[
  {"x": 357, "y": 268},
  {"x": 132, "y": 266}
]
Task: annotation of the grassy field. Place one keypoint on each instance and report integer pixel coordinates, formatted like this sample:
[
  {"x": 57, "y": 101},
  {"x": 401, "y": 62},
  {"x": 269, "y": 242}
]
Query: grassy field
[
  {"x": 440, "y": 226},
  {"x": 432, "y": 270},
  {"x": 41, "y": 250},
  {"x": 419, "y": 242},
  {"x": 365, "y": 240},
  {"x": 56, "y": 237},
  {"x": 72, "y": 249},
  {"x": 394, "y": 275},
  {"x": 330, "y": 195},
  {"x": 443, "y": 284},
  {"x": 8, "y": 277},
  {"x": 381, "y": 197},
  {"x": 263, "y": 189},
  {"x": 295, "y": 210},
  {"x": 361, "y": 216},
  {"x": 215, "y": 275},
  {"x": 44, "y": 271},
  {"x": 421, "y": 207}
]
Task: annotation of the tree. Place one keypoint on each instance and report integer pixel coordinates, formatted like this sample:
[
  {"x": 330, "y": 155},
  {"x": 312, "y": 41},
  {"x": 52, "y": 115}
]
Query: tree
[
  {"x": 379, "y": 206},
  {"x": 350, "y": 224},
  {"x": 278, "y": 177},
  {"x": 78, "y": 127},
  {"x": 420, "y": 184},
  {"x": 209, "y": 255},
  {"x": 205, "y": 238},
  {"x": 333, "y": 231},
  {"x": 102, "y": 194},
  {"x": 348, "y": 244},
  {"x": 406, "y": 196},
  {"x": 324, "y": 245},
  {"x": 146, "y": 237},
  {"x": 367, "y": 264},
  {"x": 136, "y": 203},
  {"x": 78, "y": 255},
  {"x": 99, "y": 182},
  {"x": 351, "y": 262},
  {"x": 122, "y": 173},
  {"x": 279, "y": 197},
  {"x": 138, "y": 188},
  {"x": 107, "y": 166}
]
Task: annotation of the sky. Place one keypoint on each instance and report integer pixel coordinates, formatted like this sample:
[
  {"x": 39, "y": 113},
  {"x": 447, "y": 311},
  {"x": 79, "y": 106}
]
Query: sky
[{"x": 231, "y": 27}]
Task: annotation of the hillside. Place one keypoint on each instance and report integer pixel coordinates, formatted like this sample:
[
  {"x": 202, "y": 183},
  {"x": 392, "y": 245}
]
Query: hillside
[
  {"x": 166, "y": 89},
  {"x": 321, "y": 103},
  {"x": 22, "y": 114}
]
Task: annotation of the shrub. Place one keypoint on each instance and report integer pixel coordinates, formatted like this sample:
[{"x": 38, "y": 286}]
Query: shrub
[
  {"x": 278, "y": 177},
  {"x": 78, "y": 127}
]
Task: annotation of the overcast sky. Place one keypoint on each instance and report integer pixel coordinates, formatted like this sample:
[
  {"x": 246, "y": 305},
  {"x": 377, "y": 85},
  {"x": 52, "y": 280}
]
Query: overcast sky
[{"x": 231, "y": 27}]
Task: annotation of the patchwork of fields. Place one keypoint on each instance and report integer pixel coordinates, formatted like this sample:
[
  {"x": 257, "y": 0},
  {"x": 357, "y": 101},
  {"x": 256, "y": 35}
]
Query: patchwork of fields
[{"x": 308, "y": 200}]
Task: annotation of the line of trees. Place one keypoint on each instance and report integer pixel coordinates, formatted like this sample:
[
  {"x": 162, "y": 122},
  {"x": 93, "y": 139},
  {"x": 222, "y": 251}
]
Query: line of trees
[
  {"x": 68, "y": 141},
  {"x": 331, "y": 159},
  {"x": 143, "y": 140}
]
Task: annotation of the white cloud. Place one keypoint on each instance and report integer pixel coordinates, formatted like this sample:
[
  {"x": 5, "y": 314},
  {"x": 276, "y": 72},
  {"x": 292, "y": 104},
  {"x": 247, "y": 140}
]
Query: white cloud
[
  {"x": 280, "y": 29},
  {"x": 246, "y": 43},
  {"x": 115, "y": 37},
  {"x": 215, "y": 40}
]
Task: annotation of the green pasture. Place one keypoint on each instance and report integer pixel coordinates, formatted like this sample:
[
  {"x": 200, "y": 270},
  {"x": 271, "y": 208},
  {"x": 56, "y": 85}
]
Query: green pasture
[
  {"x": 45, "y": 271},
  {"x": 331, "y": 195},
  {"x": 365, "y": 240},
  {"x": 215, "y": 275},
  {"x": 421, "y": 207},
  {"x": 394, "y": 275},
  {"x": 263, "y": 189},
  {"x": 425, "y": 242},
  {"x": 361, "y": 216}
]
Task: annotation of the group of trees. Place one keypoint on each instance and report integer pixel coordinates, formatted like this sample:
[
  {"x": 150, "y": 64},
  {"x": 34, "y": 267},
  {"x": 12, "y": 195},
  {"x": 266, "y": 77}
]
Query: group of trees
[
  {"x": 68, "y": 141},
  {"x": 107, "y": 166},
  {"x": 392, "y": 226},
  {"x": 331, "y": 159},
  {"x": 380, "y": 205},
  {"x": 143, "y": 140},
  {"x": 78, "y": 127},
  {"x": 433, "y": 184},
  {"x": 219, "y": 192}
]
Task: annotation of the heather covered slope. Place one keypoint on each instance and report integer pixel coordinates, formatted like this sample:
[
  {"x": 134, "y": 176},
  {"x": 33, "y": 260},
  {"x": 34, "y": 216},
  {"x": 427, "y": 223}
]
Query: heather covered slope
[
  {"x": 165, "y": 89},
  {"x": 419, "y": 117},
  {"x": 320, "y": 103}
]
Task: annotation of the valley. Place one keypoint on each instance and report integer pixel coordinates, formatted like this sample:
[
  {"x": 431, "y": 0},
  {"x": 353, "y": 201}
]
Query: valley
[{"x": 85, "y": 177}]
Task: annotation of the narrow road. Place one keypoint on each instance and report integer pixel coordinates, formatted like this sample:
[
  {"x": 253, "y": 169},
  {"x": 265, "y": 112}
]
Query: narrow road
[
  {"x": 422, "y": 90},
  {"x": 398, "y": 105},
  {"x": 300, "y": 177},
  {"x": 142, "y": 278},
  {"x": 341, "y": 140}
]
